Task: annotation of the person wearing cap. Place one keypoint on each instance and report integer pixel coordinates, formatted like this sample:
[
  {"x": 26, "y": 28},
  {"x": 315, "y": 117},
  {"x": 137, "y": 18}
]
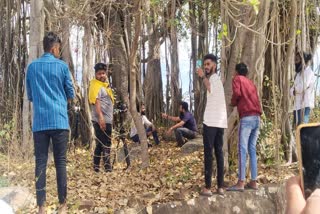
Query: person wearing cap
[
  {"x": 186, "y": 126},
  {"x": 49, "y": 88},
  {"x": 214, "y": 123},
  {"x": 245, "y": 98},
  {"x": 101, "y": 99}
]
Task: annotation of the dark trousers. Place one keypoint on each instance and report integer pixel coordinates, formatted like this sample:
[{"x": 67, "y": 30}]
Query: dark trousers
[
  {"x": 182, "y": 132},
  {"x": 59, "y": 140},
  {"x": 213, "y": 139},
  {"x": 103, "y": 147}
]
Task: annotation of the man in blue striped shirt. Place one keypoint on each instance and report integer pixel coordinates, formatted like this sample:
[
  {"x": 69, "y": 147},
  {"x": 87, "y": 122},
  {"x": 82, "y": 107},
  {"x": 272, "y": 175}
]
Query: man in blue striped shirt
[{"x": 49, "y": 88}]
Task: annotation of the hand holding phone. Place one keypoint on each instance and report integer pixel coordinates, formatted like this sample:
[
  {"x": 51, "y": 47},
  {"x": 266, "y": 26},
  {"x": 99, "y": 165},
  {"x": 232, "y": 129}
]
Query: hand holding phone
[
  {"x": 308, "y": 146},
  {"x": 199, "y": 63}
]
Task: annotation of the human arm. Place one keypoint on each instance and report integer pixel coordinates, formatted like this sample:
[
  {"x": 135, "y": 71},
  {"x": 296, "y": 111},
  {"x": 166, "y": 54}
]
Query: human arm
[
  {"x": 236, "y": 91},
  {"x": 206, "y": 81},
  {"x": 172, "y": 118},
  {"x": 146, "y": 122},
  {"x": 102, "y": 122},
  {"x": 294, "y": 196},
  {"x": 178, "y": 125},
  {"x": 296, "y": 202},
  {"x": 310, "y": 79},
  {"x": 68, "y": 84},
  {"x": 28, "y": 82}
]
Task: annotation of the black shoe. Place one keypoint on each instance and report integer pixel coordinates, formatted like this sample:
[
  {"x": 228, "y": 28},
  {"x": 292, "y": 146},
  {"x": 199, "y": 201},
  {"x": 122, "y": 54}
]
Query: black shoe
[{"x": 108, "y": 170}]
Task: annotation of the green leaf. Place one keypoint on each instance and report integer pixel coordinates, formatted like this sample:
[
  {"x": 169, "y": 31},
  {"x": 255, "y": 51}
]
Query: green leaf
[
  {"x": 224, "y": 31},
  {"x": 255, "y": 5},
  {"x": 298, "y": 32}
]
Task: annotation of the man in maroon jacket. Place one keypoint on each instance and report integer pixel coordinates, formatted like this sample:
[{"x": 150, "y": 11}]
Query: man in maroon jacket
[{"x": 245, "y": 97}]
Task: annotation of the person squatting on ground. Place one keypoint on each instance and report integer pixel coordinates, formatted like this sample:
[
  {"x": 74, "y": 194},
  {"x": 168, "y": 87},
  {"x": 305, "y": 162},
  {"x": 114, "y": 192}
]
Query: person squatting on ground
[
  {"x": 49, "y": 88},
  {"x": 245, "y": 98},
  {"x": 214, "y": 123},
  {"x": 186, "y": 126},
  {"x": 150, "y": 128},
  {"x": 101, "y": 99}
]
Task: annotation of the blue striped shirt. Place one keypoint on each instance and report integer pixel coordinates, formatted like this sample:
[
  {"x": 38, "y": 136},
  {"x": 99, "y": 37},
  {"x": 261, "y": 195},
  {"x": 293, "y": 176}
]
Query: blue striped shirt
[{"x": 49, "y": 85}]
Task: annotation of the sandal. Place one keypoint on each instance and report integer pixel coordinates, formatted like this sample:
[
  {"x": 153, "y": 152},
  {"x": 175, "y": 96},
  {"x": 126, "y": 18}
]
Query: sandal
[
  {"x": 248, "y": 186},
  {"x": 235, "y": 189},
  {"x": 207, "y": 194},
  {"x": 220, "y": 191}
]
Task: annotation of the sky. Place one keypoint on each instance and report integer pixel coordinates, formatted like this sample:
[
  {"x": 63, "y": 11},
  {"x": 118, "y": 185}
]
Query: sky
[{"x": 184, "y": 49}]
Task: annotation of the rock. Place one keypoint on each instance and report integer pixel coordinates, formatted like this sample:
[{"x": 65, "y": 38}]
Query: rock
[
  {"x": 17, "y": 197},
  {"x": 134, "y": 202},
  {"x": 263, "y": 201},
  {"x": 134, "y": 152},
  {"x": 193, "y": 145}
]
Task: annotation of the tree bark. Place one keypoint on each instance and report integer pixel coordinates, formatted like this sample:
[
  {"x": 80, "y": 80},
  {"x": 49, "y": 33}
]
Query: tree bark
[
  {"x": 176, "y": 94},
  {"x": 86, "y": 129},
  {"x": 153, "y": 81},
  {"x": 36, "y": 36},
  {"x": 133, "y": 69}
]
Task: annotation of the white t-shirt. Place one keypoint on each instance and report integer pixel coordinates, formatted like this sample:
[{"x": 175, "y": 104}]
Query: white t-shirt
[
  {"x": 146, "y": 123},
  {"x": 215, "y": 114},
  {"x": 304, "y": 89}
]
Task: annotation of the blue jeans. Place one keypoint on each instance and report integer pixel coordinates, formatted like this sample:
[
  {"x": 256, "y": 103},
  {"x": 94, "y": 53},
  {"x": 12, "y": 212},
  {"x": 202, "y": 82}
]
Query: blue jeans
[
  {"x": 248, "y": 135},
  {"x": 299, "y": 114}
]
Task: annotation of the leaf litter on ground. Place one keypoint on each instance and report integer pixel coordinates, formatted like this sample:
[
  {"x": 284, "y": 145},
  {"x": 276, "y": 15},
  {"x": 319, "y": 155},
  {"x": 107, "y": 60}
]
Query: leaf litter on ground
[{"x": 171, "y": 176}]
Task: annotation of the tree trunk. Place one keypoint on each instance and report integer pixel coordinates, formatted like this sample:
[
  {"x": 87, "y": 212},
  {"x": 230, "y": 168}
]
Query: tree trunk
[
  {"x": 86, "y": 129},
  {"x": 36, "y": 36},
  {"x": 176, "y": 94},
  {"x": 153, "y": 81},
  {"x": 200, "y": 91},
  {"x": 66, "y": 48},
  {"x": 196, "y": 86},
  {"x": 133, "y": 68}
]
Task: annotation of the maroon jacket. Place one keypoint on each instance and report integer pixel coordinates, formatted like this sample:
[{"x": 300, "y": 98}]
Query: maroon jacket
[{"x": 245, "y": 97}]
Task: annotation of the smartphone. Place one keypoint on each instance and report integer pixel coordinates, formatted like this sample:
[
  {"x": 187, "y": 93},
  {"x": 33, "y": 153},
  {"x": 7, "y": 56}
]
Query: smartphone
[
  {"x": 308, "y": 146},
  {"x": 199, "y": 63}
]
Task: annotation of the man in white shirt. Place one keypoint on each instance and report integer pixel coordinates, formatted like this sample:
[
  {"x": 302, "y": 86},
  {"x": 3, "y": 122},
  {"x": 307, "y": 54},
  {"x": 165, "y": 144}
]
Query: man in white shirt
[
  {"x": 150, "y": 128},
  {"x": 214, "y": 123},
  {"x": 303, "y": 89}
]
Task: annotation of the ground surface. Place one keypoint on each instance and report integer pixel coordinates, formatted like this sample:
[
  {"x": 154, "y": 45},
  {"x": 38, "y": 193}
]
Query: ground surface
[{"x": 170, "y": 177}]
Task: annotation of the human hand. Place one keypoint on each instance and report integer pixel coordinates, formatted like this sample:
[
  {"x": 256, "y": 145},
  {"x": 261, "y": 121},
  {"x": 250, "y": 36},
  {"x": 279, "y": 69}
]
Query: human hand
[
  {"x": 164, "y": 115},
  {"x": 169, "y": 132},
  {"x": 200, "y": 72},
  {"x": 295, "y": 198},
  {"x": 102, "y": 123}
]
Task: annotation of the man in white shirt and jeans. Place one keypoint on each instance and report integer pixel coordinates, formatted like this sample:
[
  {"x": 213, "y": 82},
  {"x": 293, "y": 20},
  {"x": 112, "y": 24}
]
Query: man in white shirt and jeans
[{"x": 214, "y": 123}]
